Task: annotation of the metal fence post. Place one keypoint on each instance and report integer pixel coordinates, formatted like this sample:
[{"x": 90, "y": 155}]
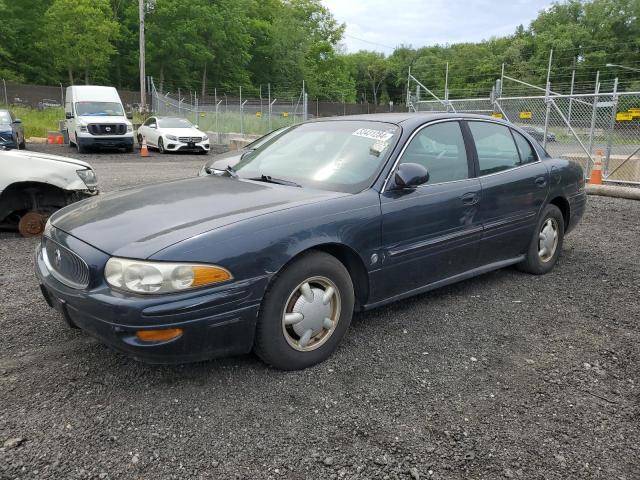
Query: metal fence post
[
  {"x": 305, "y": 107},
  {"x": 217, "y": 125},
  {"x": 547, "y": 101},
  {"x": 612, "y": 126},
  {"x": 594, "y": 114},
  {"x": 242, "y": 117}
]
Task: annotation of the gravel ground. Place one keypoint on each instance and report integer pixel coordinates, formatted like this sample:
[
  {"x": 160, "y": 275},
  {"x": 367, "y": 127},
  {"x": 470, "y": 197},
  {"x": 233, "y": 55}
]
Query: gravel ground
[{"x": 503, "y": 376}]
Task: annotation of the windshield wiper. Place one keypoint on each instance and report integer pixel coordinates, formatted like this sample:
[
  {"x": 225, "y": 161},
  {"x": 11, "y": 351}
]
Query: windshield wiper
[{"x": 279, "y": 181}]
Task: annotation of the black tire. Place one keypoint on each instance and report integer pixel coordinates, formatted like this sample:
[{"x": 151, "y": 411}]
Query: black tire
[
  {"x": 161, "y": 146},
  {"x": 139, "y": 140},
  {"x": 271, "y": 344},
  {"x": 22, "y": 145},
  {"x": 128, "y": 149},
  {"x": 534, "y": 263},
  {"x": 80, "y": 148}
]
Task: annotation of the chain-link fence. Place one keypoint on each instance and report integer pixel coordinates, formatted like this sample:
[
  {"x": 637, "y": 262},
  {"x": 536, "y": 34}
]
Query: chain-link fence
[
  {"x": 251, "y": 112},
  {"x": 579, "y": 128}
]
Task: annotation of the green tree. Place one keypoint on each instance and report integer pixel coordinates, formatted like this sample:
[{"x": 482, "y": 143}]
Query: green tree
[{"x": 79, "y": 35}]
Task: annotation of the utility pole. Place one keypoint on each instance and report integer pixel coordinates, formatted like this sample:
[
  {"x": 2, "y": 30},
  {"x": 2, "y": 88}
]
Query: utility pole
[{"x": 143, "y": 95}]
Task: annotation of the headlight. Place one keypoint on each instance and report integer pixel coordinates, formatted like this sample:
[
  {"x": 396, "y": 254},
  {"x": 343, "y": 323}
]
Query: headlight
[
  {"x": 89, "y": 178},
  {"x": 172, "y": 137},
  {"x": 129, "y": 128},
  {"x": 83, "y": 128},
  {"x": 205, "y": 138},
  {"x": 161, "y": 277}
]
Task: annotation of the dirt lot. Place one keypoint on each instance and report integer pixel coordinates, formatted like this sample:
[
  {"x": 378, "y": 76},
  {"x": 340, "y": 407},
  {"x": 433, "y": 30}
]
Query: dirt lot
[{"x": 504, "y": 376}]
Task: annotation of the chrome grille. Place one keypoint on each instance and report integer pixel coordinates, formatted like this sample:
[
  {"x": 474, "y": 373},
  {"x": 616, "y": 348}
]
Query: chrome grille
[
  {"x": 190, "y": 139},
  {"x": 107, "y": 129},
  {"x": 64, "y": 265}
]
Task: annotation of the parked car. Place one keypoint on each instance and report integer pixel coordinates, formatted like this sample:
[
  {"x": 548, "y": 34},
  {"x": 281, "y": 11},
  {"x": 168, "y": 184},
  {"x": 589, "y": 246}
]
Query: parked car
[
  {"x": 172, "y": 134},
  {"x": 48, "y": 103},
  {"x": 34, "y": 185},
  {"x": 219, "y": 163},
  {"x": 333, "y": 216},
  {"x": 96, "y": 118},
  {"x": 11, "y": 130},
  {"x": 538, "y": 133}
]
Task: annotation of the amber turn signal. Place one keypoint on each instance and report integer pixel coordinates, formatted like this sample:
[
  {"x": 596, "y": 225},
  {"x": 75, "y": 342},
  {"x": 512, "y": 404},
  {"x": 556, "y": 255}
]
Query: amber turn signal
[
  {"x": 205, "y": 275},
  {"x": 158, "y": 335}
]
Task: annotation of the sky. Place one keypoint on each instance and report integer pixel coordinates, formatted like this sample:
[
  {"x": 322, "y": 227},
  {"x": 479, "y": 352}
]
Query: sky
[{"x": 381, "y": 25}]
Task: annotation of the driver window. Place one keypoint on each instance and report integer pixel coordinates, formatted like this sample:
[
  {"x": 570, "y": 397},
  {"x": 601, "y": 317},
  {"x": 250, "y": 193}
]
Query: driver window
[
  {"x": 150, "y": 123},
  {"x": 440, "y": 149}
]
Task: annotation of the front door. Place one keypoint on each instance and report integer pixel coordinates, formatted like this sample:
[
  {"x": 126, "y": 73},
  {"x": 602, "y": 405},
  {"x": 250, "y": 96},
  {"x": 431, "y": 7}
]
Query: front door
[
  {"x": 432, "y": 232},
  {"x": 514, "y": 188}
]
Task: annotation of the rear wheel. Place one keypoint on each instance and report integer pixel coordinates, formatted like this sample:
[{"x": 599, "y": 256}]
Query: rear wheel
[
  {"x": 305, "y": 312},
  {"x": 546, "y": 243}
]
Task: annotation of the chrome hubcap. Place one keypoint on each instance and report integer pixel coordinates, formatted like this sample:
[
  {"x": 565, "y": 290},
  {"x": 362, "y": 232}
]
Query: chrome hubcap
[
  {"x": 311, "y": 314},
  {"x": 548, "y": 240}
]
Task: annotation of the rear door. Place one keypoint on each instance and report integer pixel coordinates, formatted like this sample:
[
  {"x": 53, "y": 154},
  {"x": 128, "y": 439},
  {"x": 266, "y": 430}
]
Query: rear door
[
  {"x": 514, "y": 187},
  {"x": 432, "y": 232}
]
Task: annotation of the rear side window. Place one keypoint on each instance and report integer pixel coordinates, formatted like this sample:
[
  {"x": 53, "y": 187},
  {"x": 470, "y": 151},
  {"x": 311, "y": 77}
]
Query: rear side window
[
  {"x": 527, "y": 154},
  {"x": 495, "y": 146},
  {"x": 440, "y": 149}
]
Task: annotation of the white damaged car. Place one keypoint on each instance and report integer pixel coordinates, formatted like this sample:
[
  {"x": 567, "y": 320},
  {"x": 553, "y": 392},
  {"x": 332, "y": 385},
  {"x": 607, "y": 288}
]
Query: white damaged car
[
  {"x": 172, "y": 134},
  {"x": 34, "y": 185}
]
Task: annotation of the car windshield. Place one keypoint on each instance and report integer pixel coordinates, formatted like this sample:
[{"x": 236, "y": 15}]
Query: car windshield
[
  {"x": 99, "y": 109},
  {"x": 339, "y": 155},
  {"x": 5, "y": 118},
  {"x": 174, "y": 123}
]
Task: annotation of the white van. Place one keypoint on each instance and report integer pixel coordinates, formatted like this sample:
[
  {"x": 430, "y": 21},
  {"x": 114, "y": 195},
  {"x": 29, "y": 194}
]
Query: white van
[{"x": 95, "y": 117}]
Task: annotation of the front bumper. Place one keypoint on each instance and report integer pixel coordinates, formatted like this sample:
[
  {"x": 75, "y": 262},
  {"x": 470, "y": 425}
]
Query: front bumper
[
  {"x": 175, "y": 146},
  {"x": 7, "y": 140},
  {"x": 120, "y": 141},
  {"x": 216, "y": 322}
]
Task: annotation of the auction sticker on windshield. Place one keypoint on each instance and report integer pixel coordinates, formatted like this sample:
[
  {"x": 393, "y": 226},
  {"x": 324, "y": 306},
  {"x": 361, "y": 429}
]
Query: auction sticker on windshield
[{"x": 379, "y": 135}]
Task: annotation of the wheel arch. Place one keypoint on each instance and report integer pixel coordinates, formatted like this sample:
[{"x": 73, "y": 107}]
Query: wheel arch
[
  {"x": 562, "y": 204},
  {"x": 16, "y": 197},
  {"x": 351, "y": 261}
]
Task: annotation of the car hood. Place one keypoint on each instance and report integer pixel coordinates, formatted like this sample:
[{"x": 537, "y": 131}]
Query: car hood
[
  {"x": 182, "y": 132},
  {"x": 52, "y": 158},
  {"x": 5, "y": 128},
  {"x": 139, "y": 222}
]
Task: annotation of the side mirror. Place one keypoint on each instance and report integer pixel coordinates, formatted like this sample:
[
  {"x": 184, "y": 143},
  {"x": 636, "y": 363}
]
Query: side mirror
[
  {"x": 68, "y": 115},
  {"x": 17, "y": 120},
  {"x": 196, "y": 126},
  {"x": 410, "y": 175},
  {"x": 130, "y": 115}
]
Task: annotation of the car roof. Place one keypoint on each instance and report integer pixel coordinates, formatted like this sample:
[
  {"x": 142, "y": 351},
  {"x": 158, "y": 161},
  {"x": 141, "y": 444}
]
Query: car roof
[{"x": 412, "y": 119}]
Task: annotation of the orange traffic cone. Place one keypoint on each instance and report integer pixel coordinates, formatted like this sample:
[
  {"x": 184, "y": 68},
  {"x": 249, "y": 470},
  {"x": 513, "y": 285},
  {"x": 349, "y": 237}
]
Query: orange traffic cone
[
  {"x": 144, "y": 151},
  {"x": 596, "y": 171}
]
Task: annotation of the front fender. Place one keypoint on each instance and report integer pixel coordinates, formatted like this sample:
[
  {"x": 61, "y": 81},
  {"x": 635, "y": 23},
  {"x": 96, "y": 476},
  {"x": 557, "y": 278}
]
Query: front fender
[{"x": 263, "y": 245}]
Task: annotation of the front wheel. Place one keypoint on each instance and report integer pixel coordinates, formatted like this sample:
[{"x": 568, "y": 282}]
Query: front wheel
[
  {"x": 305, "y": 312},
  {"x": 161, "y": 146},
  {"x": 546, "y": 243}
]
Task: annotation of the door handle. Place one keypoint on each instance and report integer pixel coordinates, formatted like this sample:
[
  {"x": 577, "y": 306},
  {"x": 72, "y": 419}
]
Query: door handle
[
  {"x": 541, "y": 181},
  {"x": 470, "y": 198}
]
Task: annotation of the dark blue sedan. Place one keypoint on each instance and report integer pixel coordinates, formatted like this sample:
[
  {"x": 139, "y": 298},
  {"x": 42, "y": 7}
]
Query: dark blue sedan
[
  {"x": 333, "y": 216},
  {"x": 11, "y": 130}
]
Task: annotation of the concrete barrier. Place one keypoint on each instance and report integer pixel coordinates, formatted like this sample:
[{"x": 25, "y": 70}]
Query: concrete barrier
[{"x": 614, "y": 191}]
